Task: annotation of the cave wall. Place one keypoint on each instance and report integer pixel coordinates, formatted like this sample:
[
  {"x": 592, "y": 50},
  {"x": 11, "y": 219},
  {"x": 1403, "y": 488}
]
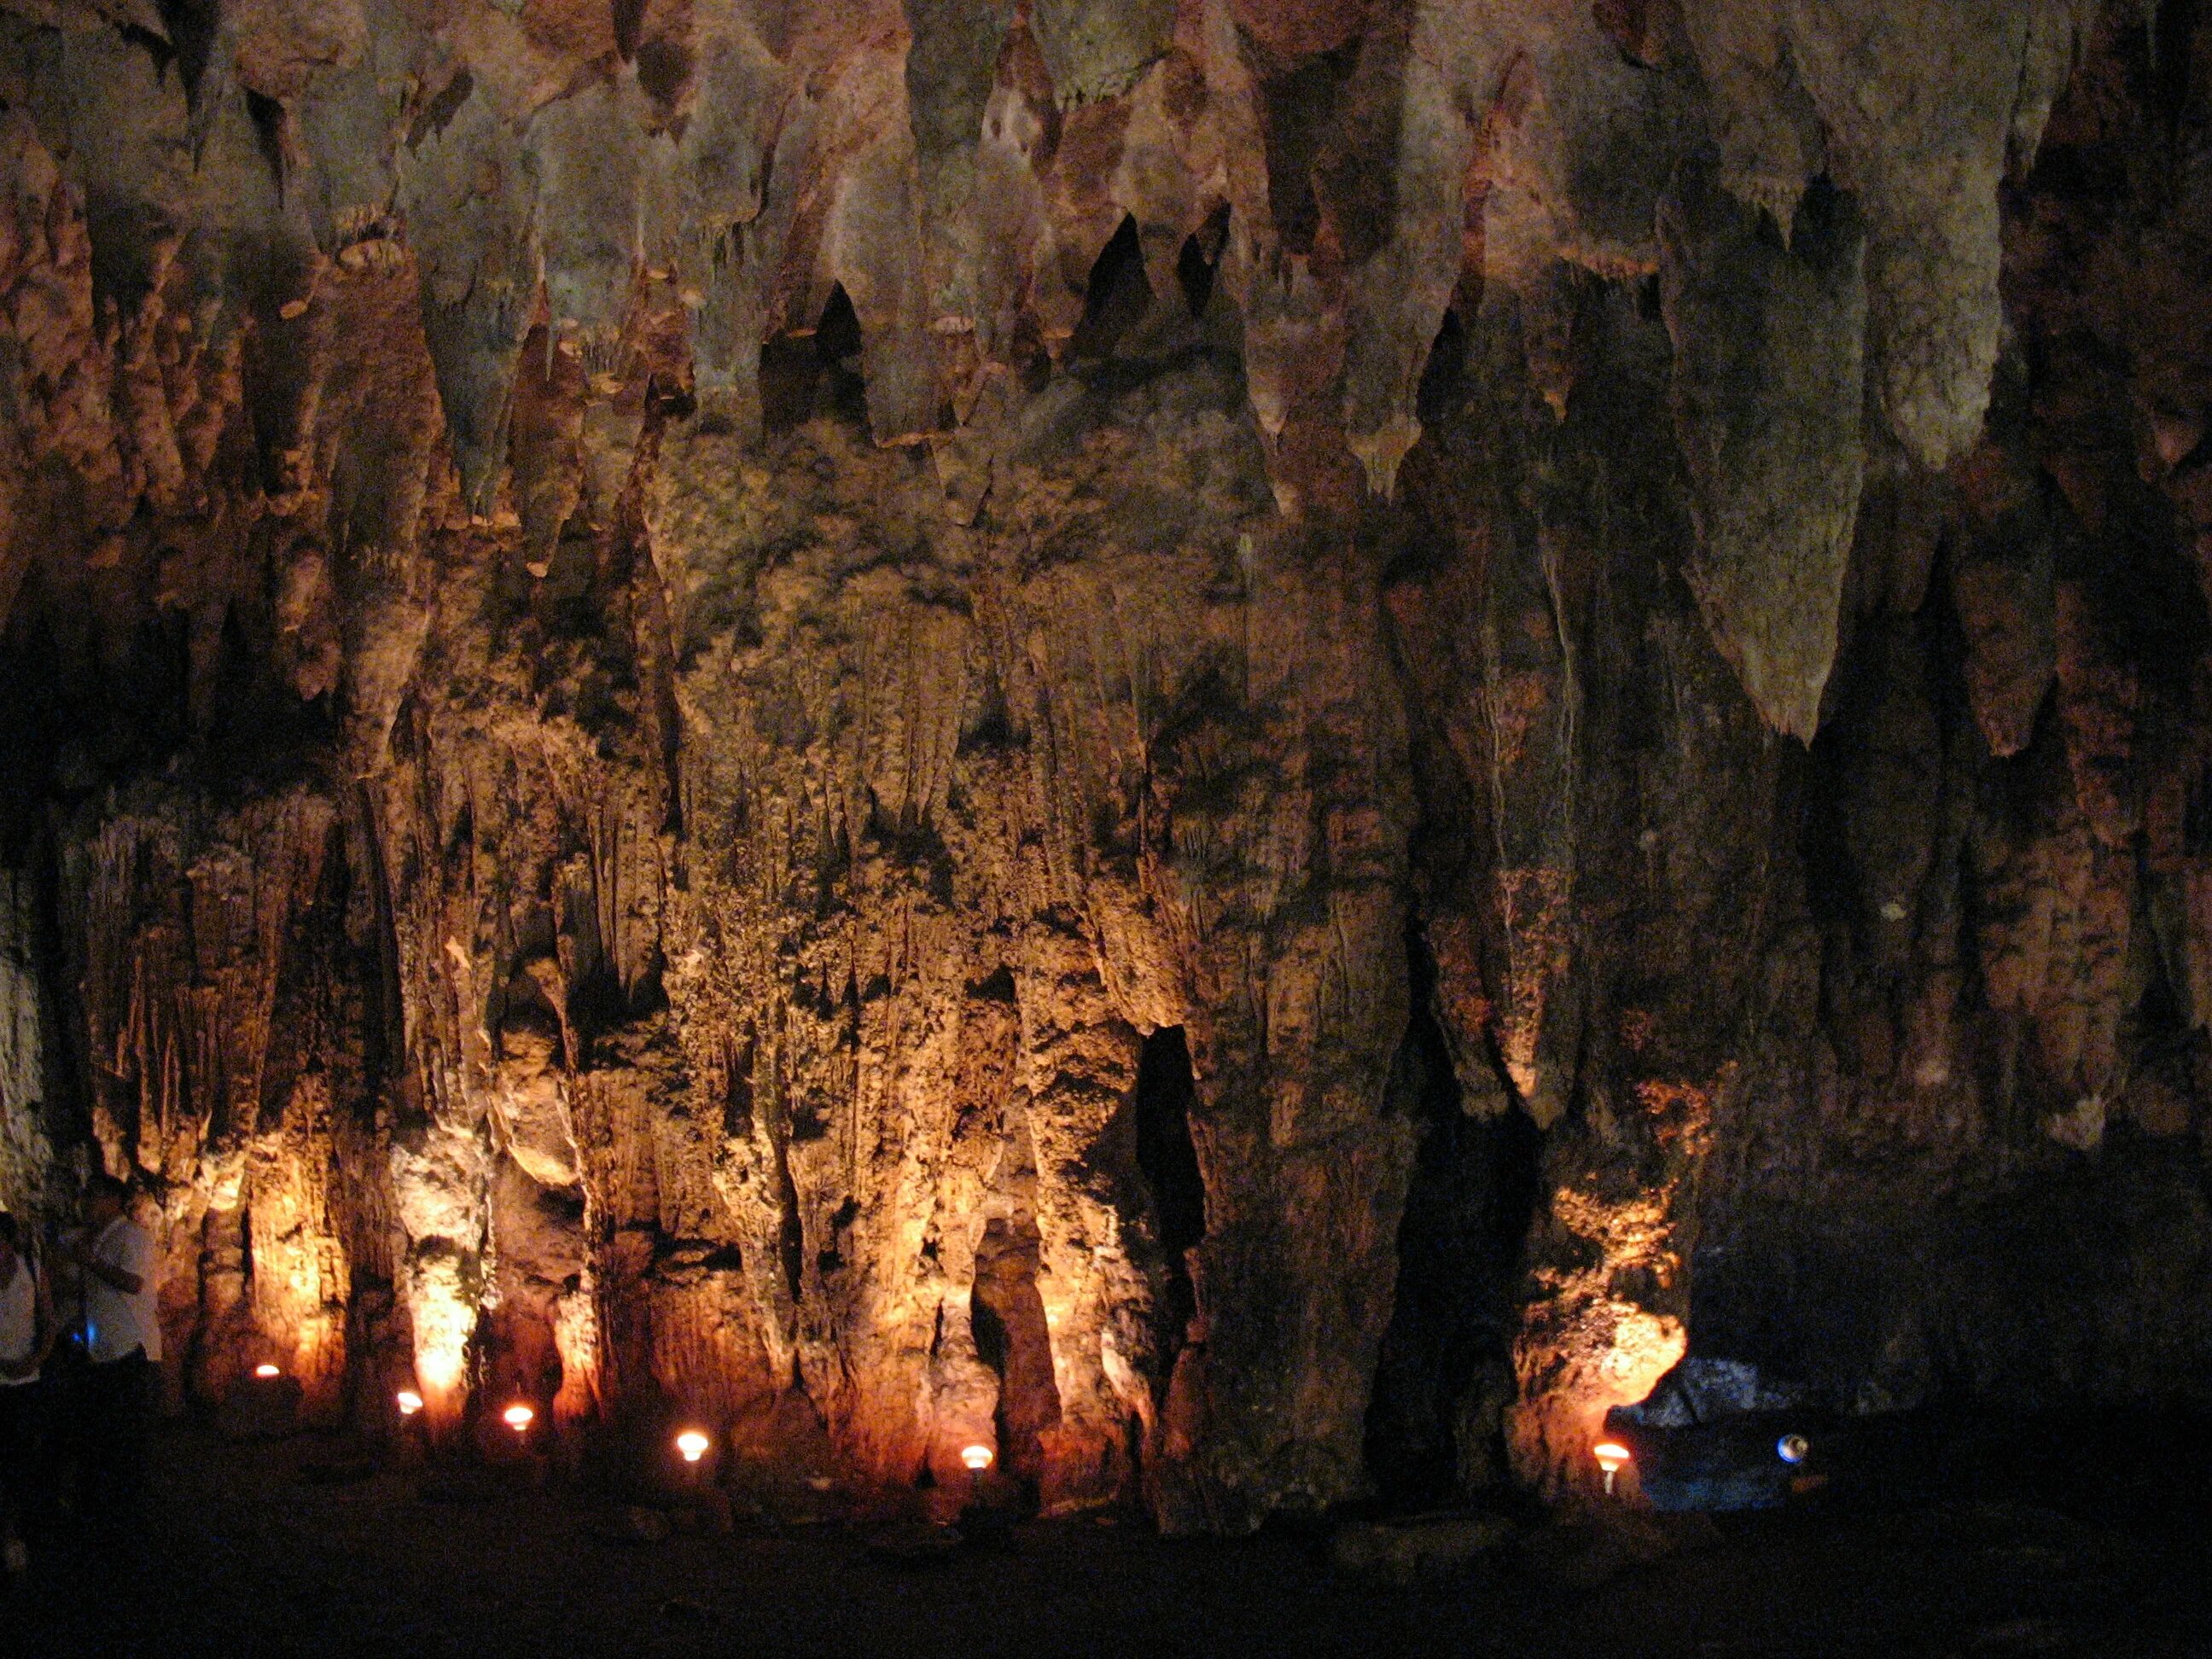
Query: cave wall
[
  {"x": 643, "y": 647},
  {"x": 27, "y": 1151}
]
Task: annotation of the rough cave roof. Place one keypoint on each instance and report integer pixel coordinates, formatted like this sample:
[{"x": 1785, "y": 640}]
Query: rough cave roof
[{"x": 671, "y": 185}]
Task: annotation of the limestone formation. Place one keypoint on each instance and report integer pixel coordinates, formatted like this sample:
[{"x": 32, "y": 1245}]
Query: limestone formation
[{"x": 1245, "y": 747}]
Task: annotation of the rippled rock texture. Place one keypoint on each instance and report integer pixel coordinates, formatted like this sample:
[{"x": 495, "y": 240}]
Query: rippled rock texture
[{"x": 1242, "y": 746}]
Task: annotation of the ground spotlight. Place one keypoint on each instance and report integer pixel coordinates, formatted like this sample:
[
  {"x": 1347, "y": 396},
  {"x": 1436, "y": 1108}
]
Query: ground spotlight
[{"x": 1612, "y": 1457}]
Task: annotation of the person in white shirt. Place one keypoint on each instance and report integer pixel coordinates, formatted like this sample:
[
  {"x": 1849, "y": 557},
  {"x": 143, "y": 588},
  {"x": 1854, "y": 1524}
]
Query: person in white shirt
[
  {"x": 27, "y": 1336},
  {"x": 123, "y": 1342}
]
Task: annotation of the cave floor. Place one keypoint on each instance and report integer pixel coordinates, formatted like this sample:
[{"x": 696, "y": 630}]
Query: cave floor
[{"x": 246, "y": 1558}]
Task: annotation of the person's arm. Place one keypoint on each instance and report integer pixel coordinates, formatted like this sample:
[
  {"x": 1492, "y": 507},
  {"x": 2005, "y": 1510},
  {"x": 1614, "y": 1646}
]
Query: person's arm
[
  {"x": 127, "y": 1275},
  {"x": 108, "y": 1272}
]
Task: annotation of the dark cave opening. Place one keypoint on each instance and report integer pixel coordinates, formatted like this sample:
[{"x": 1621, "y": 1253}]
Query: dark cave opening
[
  {"x": 1443, "y": 385},
  {"x": 790, "y": 1234},
  {"x": 817, "y": 372},
  {"x": 1444, "y": 1371},
  {"x": 1166, "y": 1088},
  {"x": 1198, "y": 263},
  {"x": 837, "y": 331},
  {"x": 1013, "y": 1339},
  {"x": 1117, "y": 296}
]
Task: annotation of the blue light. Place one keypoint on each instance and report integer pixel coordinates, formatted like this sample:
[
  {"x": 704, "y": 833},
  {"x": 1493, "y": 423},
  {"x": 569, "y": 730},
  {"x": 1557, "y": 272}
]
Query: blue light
[{"x": 1792, "y": 1448}]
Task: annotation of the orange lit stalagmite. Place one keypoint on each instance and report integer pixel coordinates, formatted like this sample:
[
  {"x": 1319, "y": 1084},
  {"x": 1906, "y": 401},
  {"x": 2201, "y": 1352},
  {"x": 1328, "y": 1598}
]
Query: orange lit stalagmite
[{"x": 1240, "y": 752}]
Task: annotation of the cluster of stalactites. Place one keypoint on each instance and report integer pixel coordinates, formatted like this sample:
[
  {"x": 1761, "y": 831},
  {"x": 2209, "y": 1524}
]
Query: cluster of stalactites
[
  {"x": 714, "y": 172},
  {"x": 1817, "y": 189}
]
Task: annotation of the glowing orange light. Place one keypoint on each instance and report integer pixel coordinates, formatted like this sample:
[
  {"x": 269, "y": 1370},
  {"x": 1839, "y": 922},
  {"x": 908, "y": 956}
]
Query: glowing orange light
[
  {"x": 1612, "y": 1456},
  {"x": 265, "y": 1370},
  {"x": 438, "y": 1369},
  {"x": 977, "y": 1457},
  {"x": 519, "y": 1418},
  {"x": 409, "y": 1402},
  {"x": 693, "y": 1444}
]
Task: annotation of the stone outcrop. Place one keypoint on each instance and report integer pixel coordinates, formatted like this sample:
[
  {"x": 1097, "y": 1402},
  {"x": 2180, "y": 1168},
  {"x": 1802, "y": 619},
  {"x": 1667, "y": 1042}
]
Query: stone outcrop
[{"x": 1246, "y": 747}]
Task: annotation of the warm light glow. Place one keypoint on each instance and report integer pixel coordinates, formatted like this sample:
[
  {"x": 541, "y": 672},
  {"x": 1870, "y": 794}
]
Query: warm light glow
[
  {"x": 519, "y": 1418},
  {"x": 439, "y": 1369},
  {"x": 441, "y": 1305},
  {"x": 264, "y": 1371},
  {"x": 1645, "y": 1347},
  {"x": 693, "y": 1444},
  {"x": 1612, "y": 1457},
  {"x": 977, "y": 1458},
  {"x": 409, "y": 1402}
]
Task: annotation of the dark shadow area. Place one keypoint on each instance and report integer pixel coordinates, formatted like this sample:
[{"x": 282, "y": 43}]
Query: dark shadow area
[
  {"x": 738, "y": 1089},
  {"x": 1444, "y": 389},
  {"x": 100, "y": 680},
  {"x": 2172, "y": 43},
  {"x": 629, "y": 23},
  {"x": 1198, "y": 265},
  {"x": 31, "y": 716},
  {"x": 1444, "y": 1371},
  {"x": 1011, "y": 1338},
  {"x": 804, "y": 375},
  {"x": 246, "y": 1552},
  {"x": 1300, "y": 106},
  {"x": 2008, "y": 1296},
  {"x": 191, "y": 25},
  {"x": 1117, "y": 297},
  {"x": 1168, "y": 1160}
]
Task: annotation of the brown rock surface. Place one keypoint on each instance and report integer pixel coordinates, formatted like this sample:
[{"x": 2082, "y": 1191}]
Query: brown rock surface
[{"x": 1241, "y": 747}]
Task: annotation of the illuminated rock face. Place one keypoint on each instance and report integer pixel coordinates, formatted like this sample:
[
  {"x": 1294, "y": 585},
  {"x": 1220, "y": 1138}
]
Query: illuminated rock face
[{"x": 1241, "y": 747}]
